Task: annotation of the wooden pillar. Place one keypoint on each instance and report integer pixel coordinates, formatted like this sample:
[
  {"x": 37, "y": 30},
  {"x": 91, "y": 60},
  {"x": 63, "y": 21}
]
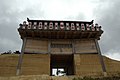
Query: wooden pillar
[
  {"x": 49, "y": 46},
  {"x": 101, "y": 58},
  {"x": 49, "y": 51},
  {"x": 73, "y": 47},
  {"x": 74, "y": 51},
  {"x": 18, "y": 72}
]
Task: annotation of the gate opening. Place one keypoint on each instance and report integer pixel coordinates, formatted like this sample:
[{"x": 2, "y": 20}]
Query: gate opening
[{"x": 61, "y": 65}]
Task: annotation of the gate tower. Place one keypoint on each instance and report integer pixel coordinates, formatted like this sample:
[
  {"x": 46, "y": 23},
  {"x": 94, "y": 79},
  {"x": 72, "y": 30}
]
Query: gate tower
[{"x": 70, "y": 46}]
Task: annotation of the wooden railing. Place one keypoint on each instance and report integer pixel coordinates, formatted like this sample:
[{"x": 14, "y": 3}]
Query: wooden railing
[{"x": 64, "y": 26}]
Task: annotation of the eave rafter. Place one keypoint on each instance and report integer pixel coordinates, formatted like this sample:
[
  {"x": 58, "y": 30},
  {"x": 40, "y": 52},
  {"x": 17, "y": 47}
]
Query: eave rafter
[{"x": 75, "y": 29}]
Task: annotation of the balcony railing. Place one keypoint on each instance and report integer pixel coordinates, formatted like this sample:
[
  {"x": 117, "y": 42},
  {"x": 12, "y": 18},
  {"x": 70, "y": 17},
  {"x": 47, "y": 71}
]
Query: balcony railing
[{"x": 60, "y": 27}]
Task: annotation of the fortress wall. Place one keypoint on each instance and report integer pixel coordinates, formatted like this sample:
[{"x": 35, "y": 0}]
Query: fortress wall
[
  {"x": 87, "y": 64},
  {"x": 33, "y": 64},
  {"x": 85, "y": 46},
  {"x": 39, "y": 64},
  {"x": 81, "y": 46},
  {"x": 8, "y": 64},
  {"x": 36, "y": 64},
  {"x": 36, "y": 46},
  {"x": 61, "y": 50},
  {"x": 112, "y": 66}
]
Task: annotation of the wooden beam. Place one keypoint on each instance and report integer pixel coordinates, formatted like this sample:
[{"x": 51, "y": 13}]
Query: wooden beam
[
  {"x": 75, "y": 34},
  {"x": 81, "y": 36},
  {"x": 58, "y": 35},
  {"x": 18, "y": 72},
  {"x": 65, "y": 35},
  {"x": 89, "y": 35},
  {"x": 40, "y": 34},
  {"x": 98, "y": 36},
  {"x": 49, "y": 34},
  {"x": 33, "y": 34}
]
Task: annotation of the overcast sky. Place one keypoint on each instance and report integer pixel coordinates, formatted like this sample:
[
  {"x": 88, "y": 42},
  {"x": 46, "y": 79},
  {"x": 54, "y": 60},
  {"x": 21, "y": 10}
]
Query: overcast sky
[{"x": 104, "y": 12}]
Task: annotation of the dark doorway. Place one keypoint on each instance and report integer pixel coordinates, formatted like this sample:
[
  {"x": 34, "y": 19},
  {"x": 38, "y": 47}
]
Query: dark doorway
[{"x": 61, "y": 65}]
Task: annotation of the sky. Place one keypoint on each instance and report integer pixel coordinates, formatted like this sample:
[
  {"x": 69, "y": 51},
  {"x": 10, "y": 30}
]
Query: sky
[{"x": 104, "y": 12}]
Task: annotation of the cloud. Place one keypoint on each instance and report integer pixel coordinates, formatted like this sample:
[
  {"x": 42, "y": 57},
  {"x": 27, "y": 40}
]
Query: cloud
[
  {"x": 11, "y": 14},
  {"x": 14, "y": 12},
  {"x": 104, "y": 12},
  {"x": 115, "y": 56},
  {"x": 107, "y": 14}
]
